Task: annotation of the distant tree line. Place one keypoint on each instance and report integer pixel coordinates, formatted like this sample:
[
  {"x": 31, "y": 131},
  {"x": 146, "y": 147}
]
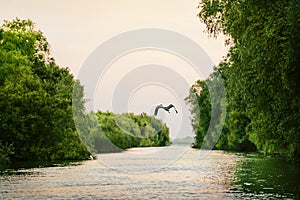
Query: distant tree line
[
  {"x": 38, "y": 106},
  {"x": 109, "y": 132},
  {"x": 260, "y": 73}
]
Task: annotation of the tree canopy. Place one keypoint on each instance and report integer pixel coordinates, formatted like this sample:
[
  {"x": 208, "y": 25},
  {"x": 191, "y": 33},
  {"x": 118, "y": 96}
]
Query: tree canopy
[
  {"x": 36, "y": 121},
  {"x": 109, "y": 132},
  {"x": 42, "y": 107},
  {"x": 261, "y": 73}
]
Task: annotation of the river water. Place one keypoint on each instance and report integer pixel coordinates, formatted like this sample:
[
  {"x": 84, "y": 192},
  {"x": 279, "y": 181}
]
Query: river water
[{"x": 175, "y": 172}]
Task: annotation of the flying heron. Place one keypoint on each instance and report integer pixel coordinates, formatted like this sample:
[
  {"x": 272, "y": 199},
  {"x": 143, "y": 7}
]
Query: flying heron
[{"x": 166, "y": 108}]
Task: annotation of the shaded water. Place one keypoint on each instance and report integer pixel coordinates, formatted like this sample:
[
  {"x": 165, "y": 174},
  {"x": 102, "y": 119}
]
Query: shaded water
[
  {"x": 260, "y": 177},
  {"x": 138, "y": 174}
]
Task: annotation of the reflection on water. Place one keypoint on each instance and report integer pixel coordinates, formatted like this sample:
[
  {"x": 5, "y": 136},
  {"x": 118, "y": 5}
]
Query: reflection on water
[
  {"x": 195, "y": 175},
  {"x": 266, "y": 178}
]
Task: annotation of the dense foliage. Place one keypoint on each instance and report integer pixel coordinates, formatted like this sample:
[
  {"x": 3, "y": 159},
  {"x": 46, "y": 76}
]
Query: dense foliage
[
  {"x": 261, "y": 73},
  {"x": 208, "y": 106},
  {"x": 109, "y": 132},
  {"x": 42, "y": 107},
  {"x": 36, "y": 120}
]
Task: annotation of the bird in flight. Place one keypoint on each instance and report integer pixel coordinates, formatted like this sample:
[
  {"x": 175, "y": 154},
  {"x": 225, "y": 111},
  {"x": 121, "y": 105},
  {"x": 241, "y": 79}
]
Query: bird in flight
[{"x": 166, "y": 108}]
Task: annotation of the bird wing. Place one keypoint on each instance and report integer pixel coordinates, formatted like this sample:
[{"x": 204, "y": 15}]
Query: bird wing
[
  {"x": 175, "y": 110},
  {"x": 156, "y": 110},
  {"x": 169, "y": 106},
  {"x": 172, "y": 106}
]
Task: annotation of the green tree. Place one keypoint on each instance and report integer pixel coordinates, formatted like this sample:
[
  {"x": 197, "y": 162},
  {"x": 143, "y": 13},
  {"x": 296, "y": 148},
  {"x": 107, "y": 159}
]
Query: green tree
[
  {"x": 35, "y": 97},
  {"x": 109, "y": 132},
  {"x": 260, "y": 70},
  {"x": 199, "y": 100},
  {"x": 207, "y": 102}
]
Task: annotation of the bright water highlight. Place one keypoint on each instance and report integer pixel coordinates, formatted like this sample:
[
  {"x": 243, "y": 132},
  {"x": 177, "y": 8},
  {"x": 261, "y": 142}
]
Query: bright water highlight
[{"x": 139, "y": 174}]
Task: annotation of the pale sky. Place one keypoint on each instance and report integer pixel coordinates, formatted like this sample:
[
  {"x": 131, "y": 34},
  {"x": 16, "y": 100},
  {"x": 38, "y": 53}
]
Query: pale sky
[{"x": 75, "y": 28}]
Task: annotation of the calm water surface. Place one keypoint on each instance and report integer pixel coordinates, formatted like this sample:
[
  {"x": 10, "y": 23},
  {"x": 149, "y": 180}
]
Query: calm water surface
[{"x": 174, "y": 172}]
